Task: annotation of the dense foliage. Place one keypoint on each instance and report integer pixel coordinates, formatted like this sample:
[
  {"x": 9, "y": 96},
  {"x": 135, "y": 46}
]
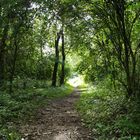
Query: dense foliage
[
  {"x": 109, "y": 114},
  {"x": 38, "y": 37}
]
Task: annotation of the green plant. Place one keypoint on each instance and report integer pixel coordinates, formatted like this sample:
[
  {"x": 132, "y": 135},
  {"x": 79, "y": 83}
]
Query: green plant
[
  {"x": 22, "y": 105},
  {"x": 109, "y": 114}
]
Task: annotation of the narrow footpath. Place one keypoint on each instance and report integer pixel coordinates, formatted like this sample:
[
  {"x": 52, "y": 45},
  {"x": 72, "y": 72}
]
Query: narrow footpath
[{"x": 58, "y": 121}]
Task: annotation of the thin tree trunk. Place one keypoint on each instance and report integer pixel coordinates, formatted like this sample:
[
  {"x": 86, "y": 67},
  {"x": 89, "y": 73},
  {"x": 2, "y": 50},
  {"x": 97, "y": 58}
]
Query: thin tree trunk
[
  {"x": 2, "y": 55},
  {"x": 127, "y": 48},
  {"x": 41, "y": 50},
  {"x": 54, "y": 76},
  {"x": 13, "y": 66},
  {"x": 62, "y": 77}
]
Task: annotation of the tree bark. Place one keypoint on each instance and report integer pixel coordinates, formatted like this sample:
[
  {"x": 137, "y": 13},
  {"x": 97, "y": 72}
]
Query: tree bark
[
  {"x": 2, "y": 54},
  {"x": 54, "y": 75},
  {"x": 62, "y": 77},
  {"x": 129, "y": 67},
  {"x": 13, "y": 65}
]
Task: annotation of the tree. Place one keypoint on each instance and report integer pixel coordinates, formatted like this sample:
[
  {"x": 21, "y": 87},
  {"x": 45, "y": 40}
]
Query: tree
[
  {"x": 54, "y": 76},
  {"x": 2, "y": 53},
  {"x": 118, "y": 21},
  {"x": 62, "y": 76}
]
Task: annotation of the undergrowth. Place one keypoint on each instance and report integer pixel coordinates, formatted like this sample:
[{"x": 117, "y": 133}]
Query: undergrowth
[
  {"x": 109, "y": 114},
  {"x": 22, "y": 105}
]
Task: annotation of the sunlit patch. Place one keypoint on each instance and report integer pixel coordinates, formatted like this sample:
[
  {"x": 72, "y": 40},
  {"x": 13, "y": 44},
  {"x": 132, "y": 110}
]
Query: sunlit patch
[
  {"x": 76, "y": 81},
  {"x": 68, "y": 134},
  {"x": 61, "y": 137}
]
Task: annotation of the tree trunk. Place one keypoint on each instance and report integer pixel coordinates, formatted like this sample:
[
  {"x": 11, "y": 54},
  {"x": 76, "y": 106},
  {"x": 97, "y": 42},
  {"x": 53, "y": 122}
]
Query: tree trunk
[
  {"x": 62, "y": 77},
  {"x": 13, "y": 66},
  {"x": 127, "y": 48},
  {"x": 41, "y": 50},
  {"x": 2, "y": 55},
  {"x": 54, "y": 76}
]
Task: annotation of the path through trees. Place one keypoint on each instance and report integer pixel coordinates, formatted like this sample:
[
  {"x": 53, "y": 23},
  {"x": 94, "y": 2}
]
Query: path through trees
[{"x": 58, "y": 121}]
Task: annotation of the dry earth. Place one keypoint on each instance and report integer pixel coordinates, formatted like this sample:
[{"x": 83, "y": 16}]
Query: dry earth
[{"x": 58, "y": 121}]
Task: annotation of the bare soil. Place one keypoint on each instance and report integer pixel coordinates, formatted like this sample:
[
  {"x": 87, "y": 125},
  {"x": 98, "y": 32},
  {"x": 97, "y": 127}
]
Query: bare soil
[{"x": 58, "y": 121}]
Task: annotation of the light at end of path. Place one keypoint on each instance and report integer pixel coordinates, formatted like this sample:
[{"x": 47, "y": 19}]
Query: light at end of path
[{"x": 76, "y": 81}]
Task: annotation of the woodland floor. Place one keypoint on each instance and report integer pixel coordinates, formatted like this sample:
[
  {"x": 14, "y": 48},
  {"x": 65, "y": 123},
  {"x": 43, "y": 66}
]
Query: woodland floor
[{"x": 58, "y": 121}]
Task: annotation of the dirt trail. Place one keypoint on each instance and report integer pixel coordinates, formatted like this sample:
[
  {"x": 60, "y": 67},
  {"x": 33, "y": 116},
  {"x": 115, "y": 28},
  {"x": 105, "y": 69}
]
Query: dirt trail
[{"x": 59, "y": 121}]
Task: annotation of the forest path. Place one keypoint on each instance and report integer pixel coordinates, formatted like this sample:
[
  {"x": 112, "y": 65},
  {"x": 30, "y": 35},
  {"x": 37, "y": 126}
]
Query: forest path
[{"x": 58, "y": 121}]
